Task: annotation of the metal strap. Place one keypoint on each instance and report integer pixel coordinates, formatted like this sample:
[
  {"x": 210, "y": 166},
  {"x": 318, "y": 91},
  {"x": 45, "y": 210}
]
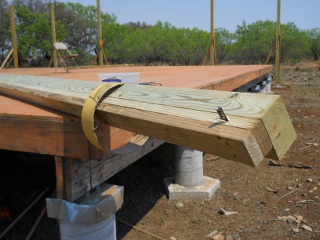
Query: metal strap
[
  {"x": 89, "y": 108},
  {"x": 87, "y": 121}
]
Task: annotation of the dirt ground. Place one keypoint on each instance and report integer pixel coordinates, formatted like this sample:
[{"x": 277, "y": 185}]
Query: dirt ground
[{"x": 276, "y": 200}]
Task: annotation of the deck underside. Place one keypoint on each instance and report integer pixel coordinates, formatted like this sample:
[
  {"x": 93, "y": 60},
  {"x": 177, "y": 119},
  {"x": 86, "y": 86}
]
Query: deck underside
[{"x": 28, "y": 128}]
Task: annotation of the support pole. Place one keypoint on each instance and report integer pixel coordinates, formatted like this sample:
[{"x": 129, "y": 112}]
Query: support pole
[
  {"x": 100, "y": 33},
  {"x": 14, "y": 38},
  {"x": 92, "y": 217},
  {"x": 189, "y": 182},
  {"x": 278, "y": 44},
  {"x": 188, "y": 167},
  {"x": 54, "y": 39},
  {"x": 213, "y": 44},
  {"x": 7, "y": 58}
]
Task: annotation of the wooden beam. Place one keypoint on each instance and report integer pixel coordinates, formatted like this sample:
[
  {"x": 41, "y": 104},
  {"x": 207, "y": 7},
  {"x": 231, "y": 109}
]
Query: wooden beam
[
  {"x": 105, "y": 168},
  {"x": 213, "y": 42},
  {"x": 43, "y": 135},
  {"x": 54, "y": 38},
  {"x": 82, "y": 175},
  {"x": 186, "y": 117},
  {"x": 278, "y": 43},
  {"x": 77, "y": 178},
  {"x": 7, "y": 58},
  {"x": 100, "y": 34},
  {"x": 14, "y": 38}
]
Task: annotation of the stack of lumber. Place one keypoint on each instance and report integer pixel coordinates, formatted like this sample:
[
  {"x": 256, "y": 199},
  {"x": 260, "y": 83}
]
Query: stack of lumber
[{"x": 259, "y": 125}]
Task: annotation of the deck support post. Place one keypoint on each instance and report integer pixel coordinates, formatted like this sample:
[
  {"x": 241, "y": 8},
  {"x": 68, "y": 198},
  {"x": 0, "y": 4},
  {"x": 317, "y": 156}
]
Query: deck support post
[
  {"x": 189, "y": 182},
  {"x": 90, "y": 218}
]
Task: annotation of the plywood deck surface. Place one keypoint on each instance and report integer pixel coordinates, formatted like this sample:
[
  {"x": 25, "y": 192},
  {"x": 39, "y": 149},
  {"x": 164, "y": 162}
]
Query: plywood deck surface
[
  {"x": 217, "y": 77},
  {"x": 225, "y": 78}
]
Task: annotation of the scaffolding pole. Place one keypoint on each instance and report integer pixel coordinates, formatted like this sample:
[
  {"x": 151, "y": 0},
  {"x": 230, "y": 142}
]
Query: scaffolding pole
[
  {"x": 54, "y": 38},
  {"x": 100, "y": 34},
  {"x": 213, "y": 44},
  {"x": 14, "y": 38},
  {"x": 278, "y": 44}
]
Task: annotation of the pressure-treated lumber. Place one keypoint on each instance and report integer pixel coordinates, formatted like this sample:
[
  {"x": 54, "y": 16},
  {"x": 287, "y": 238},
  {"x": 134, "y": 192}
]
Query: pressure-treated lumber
[{"x": 258, "y": 124}]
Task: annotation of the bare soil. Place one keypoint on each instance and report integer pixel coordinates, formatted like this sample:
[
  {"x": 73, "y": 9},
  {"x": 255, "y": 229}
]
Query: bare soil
[{"x": 276, "y": 200}]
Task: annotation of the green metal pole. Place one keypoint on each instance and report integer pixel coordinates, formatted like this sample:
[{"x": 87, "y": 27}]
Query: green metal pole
[
  {"x": 278, "y": 44},
  {"x": 100, "y": 33},
  {"x": 212, "y": 38},
  {"x": 14, "y": 39}
]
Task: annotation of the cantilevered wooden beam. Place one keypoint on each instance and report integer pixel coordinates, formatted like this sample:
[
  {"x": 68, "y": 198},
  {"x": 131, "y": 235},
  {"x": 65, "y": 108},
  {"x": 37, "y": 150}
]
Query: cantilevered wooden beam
[{"x": 258, "y": 125}]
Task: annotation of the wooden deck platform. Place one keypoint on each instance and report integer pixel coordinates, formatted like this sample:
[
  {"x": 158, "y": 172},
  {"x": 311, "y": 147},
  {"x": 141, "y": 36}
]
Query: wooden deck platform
[{"x": 28, "y": 128}]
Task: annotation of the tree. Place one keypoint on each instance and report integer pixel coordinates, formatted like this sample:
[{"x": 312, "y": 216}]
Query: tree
[
  {"x": 254, "y": 41},
  {"x": 224, "y": 41},
  {"x": 5, "y": 41},
  {"x": 116, "y": 37},
  {"x": 199, "y": 42},
  {"x": 293, "y": 42},
  {"x": 33, "y": 33},
  {"x": 183, "y": 53},
  {"x": 313, "y": 36},
  {"x": 81, "y": 28}
]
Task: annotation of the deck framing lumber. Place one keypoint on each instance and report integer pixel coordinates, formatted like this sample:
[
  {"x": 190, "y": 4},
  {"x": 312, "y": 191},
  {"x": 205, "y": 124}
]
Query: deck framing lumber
[
  {"x": 82, "y": 175},
  {"x": 185, "y": 117}
]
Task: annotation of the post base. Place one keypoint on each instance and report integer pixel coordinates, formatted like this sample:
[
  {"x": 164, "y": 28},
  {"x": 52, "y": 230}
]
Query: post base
[
  {"x": 92, "y": 217},
  {"x": 203, "y": 191}
]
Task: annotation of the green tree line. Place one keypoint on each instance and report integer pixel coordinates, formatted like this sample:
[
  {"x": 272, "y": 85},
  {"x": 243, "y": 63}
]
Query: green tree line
[{"x": 141, "y": 43}]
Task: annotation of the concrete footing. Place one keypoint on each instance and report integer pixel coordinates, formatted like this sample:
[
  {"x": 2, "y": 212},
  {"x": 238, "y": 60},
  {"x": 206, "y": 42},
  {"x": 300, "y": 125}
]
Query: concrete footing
[
  {"x": 189, "y": 182},
  {"x": 204, "y": 191},
  {"x": 90, "y": 218},
  {"x": 268, "y": 85}
]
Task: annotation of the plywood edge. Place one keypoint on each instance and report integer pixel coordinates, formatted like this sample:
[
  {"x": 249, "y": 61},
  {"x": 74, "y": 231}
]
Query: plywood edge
[{"x": 240, "y": 80}]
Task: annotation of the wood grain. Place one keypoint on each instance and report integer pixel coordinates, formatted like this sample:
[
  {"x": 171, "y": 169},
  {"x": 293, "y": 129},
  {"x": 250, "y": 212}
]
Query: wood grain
[{"x": 185, "y": 117}]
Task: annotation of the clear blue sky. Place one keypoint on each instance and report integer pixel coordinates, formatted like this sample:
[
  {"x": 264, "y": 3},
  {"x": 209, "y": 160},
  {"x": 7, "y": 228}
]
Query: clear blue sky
[{"x": 196, "y": 13}]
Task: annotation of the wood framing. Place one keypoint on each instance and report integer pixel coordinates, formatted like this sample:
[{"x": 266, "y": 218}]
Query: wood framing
[
  {"x": 82, "y": 175},
  {"x": 186, "y": 117}
]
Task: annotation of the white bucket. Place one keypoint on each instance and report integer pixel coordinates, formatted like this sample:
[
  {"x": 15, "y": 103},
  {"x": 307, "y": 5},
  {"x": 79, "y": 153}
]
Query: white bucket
[{"x": 104, "y": 230}]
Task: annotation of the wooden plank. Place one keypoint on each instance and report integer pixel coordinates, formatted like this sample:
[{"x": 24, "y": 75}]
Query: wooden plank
[
  {"x": 77, "y": 178},
  {"x": 280, "y": 132},
  {"x": 29, "y": 128},
  {"x": 185, "y": 117},
  {"x": 82, "y": 175},
  {"x": 104, "y": 168},
  {"x": 43, "y": 136},
  {"x": 5, "y": 61}
]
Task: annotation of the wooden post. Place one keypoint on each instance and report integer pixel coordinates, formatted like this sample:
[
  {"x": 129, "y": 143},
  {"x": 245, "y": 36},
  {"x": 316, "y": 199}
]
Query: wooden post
[
  {"x": 212, "y": 45},
  {"x": 7, "y": 58},
  {"x": 100, "y": 33},
  {"x": 278, "y": 44},
  {"x": 14, "y": 38},
  {"x": 54, "y": 39}
]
